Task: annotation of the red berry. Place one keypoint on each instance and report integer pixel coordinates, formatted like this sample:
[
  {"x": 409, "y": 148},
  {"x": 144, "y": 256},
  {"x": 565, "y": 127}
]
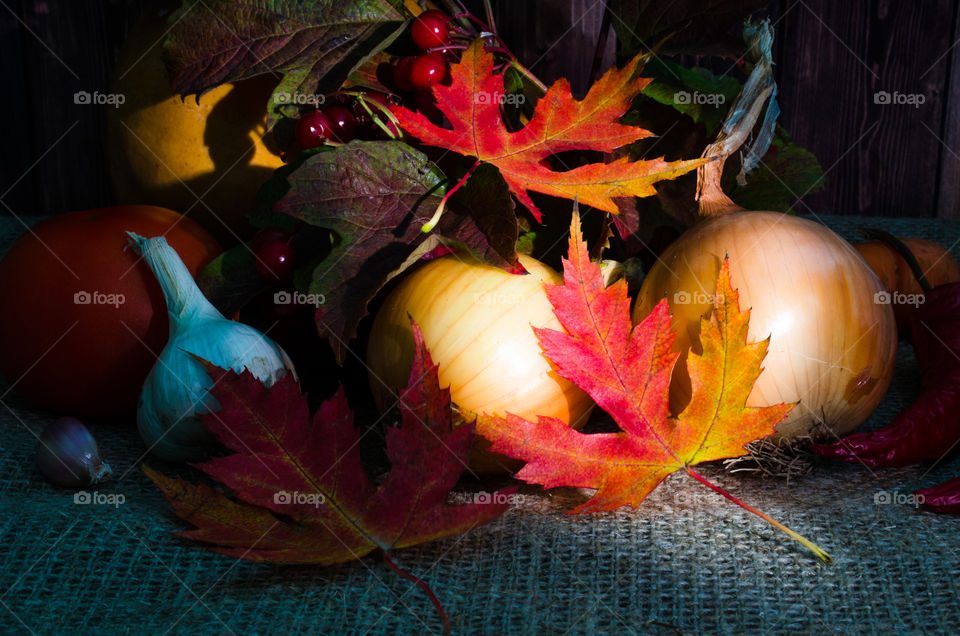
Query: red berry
[
  {"x": 430, "y": 29},
  {"x": 273, "y": 255},
  {"x": 427, "y": 70},
  {"x": 384, "y": 73},
  {"x": 275, "y": 260},
  {"x": 313, "y": 129},
  {"x": 343, "y": 122},
  {"x": 401, "y": 74},
  {"x": 269, "y": 235}
]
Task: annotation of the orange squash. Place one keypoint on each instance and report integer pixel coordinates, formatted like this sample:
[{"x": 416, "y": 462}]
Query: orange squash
[{"x": 903, "y": 289}]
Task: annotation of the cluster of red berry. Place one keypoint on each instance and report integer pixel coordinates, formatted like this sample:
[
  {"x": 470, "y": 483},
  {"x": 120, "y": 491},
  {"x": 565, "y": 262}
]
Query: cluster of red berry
[
  {"x": 341, "y": 124},
  {"x": 430, "y": 31},
  {"x": 413, "y": 74},
  {"x": 361, "y": 116}
]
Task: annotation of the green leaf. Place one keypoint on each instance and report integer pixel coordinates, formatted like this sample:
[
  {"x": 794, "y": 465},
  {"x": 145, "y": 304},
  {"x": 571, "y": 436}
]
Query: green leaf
[
  {"x": 526, "y": 243},
  {"x": 274, "y": 189},
  {"x": 288, "y": 97},
  {"x": 785, "y": 172},
  {"x": 364, "y": 77},
  {"x": 481, "y": 219},
  {"x": 228, "y": 40},
  {"x": 696, "y": 92},
  {"x": 376, "y": 196}
]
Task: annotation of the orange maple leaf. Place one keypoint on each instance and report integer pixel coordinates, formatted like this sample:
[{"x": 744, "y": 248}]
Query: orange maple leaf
[
  {"x": 560, "y": 123},
  {"x": 627, "y": 370}
]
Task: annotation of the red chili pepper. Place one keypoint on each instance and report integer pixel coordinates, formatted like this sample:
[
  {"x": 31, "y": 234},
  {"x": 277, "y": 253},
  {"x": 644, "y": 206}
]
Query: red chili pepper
[
  {"x": 942, "y": 498},
  {"x": 928, "y": 428}
]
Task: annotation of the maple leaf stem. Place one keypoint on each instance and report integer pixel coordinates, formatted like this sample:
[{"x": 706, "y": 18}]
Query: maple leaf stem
[
  {"x": 424, "y": 586},
  {"x": 810, "y": 545},
  {"x": 432, "y": 223}
]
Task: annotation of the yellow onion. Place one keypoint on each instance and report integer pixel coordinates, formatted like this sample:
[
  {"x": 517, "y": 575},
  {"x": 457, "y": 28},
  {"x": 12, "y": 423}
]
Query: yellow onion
[
  {"x": 832, "y": 345},
  {"x": 477, "y": 324},
  {"x": 832, "y": 338}
]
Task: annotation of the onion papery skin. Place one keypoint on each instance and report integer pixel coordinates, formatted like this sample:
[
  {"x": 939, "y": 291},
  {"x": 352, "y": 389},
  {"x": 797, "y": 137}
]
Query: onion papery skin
[
  {"x": 832, "y": 344},
  {"x": 477, "y": 324}
]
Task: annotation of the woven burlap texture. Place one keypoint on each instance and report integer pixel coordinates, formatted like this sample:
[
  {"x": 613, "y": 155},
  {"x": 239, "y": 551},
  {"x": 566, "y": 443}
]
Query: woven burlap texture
[{"x": 686, "y": 561}]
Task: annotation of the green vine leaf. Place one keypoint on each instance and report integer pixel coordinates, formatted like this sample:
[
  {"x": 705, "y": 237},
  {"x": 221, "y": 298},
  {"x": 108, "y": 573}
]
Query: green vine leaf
[
  {"x": 229, "y": 40},
  {"x": 695, "y": 92},
  {"x": 375, "y": 197}
]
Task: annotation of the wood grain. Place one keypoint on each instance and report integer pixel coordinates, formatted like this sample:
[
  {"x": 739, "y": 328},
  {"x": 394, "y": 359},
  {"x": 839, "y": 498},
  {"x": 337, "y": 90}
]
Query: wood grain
[
  {"x": 948, "y": 193},
  {"x": 834, "y": 59},
  {"x": 55, "y": 50},
  {"x": 555, "y": 38},
  {"x": 18, "y": 151}
]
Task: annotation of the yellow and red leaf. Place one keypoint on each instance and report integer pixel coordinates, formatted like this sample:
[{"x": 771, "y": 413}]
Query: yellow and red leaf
[
  {"x": 560, "y": 123},
  {"x": 627, "y": 370}
]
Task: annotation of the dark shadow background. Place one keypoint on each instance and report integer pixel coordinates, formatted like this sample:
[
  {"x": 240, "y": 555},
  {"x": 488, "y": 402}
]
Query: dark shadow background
[{"x": 832, "y": 57}]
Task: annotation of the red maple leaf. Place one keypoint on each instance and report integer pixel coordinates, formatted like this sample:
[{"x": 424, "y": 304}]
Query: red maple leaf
[
  {"x": 560, "y": 123},
  {"x": 627, "y": 370},
  {"x": 301, "y": 493}
]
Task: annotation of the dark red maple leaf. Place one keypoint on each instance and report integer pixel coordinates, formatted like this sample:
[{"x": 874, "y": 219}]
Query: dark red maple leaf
[{"x": 301, "y": 493}]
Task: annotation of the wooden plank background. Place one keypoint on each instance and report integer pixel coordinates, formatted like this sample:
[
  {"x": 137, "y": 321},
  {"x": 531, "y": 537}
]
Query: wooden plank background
[{"x": 832, "y": 58}]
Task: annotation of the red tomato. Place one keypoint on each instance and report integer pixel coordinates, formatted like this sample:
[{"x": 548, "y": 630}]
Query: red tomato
[{"x": 82, "y": 317}]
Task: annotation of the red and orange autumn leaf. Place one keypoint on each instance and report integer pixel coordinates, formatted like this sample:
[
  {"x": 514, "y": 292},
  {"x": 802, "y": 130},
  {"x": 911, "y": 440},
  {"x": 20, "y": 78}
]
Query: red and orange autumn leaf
[
  {"x": 627, "y": 370},
  {"x": 560, "y": 123},
  {"x": 301, "y": 493}
]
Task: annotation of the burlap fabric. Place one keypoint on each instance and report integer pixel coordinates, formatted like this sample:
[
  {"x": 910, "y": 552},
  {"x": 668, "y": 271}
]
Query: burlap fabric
[{"x": 685, "y": 562}]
